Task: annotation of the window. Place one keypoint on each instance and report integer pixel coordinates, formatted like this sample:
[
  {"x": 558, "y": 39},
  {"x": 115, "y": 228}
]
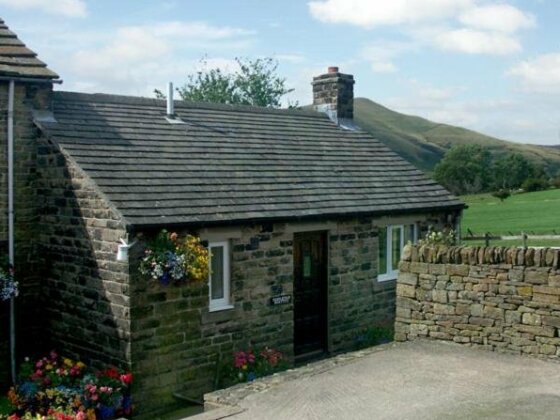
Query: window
[
  {"x": 392, "y": 239},
  {"x": 219, "y": 278}
]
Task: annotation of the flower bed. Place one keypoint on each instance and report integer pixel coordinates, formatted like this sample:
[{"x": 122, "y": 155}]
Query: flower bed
[
  {"x": 167, "y": 259},
  {"x": 61, "y": 388},
  {"x": 248, "y": 365}
]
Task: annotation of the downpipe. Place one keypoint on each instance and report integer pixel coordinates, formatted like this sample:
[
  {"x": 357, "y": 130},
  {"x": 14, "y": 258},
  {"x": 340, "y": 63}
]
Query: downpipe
[{"x": 11, "y": 92}]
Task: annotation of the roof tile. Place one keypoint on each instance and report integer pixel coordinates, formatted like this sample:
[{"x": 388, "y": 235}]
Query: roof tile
[
  {"x": 233, "y": 163},
  {"x": 17, "y": 60}
]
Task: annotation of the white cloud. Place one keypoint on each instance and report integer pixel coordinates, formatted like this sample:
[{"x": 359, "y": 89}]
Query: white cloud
[
  {"x": 69, "y": 8},
  {"x": 378, "y": 66},
  {"x": 465, "y": 26},
  {"x": 136, "y": 59},
  {"x": 471, "y": 41},
  {"x": 197, "y": 30},
  {"x": 382, "y": 54},
  {"x": 437, "y": 104},
  {"x": 372, "y": 13},
  {"x": 497, "y": 17},
  {"x": 540, "y": 74}
]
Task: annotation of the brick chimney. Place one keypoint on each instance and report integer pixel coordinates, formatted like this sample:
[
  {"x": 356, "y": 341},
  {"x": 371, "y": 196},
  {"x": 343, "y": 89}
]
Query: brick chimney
[{"x": 333, "y": 93}]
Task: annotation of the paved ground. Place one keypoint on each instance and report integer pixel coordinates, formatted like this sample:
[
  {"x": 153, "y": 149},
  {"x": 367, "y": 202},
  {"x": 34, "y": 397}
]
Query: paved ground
[{"x": 420, "y": 380}]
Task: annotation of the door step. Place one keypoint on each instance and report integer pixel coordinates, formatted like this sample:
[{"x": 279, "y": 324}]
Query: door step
[{"x": 311, "y": 356}]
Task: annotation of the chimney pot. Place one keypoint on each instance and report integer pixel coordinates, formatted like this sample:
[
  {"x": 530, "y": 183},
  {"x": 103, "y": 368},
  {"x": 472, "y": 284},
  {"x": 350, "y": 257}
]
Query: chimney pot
[{"x": 333, "y": 69}]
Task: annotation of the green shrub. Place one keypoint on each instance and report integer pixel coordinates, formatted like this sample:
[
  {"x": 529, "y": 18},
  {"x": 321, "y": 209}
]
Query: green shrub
[
  {"x": 535, "y": 184},
  {"x": 373, "y": 336},
  {"x": 501, "y": 194}
]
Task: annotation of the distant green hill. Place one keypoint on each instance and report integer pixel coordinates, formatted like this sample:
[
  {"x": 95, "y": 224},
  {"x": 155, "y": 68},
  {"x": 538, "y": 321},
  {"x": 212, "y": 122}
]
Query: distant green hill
[{"x": 423, "y": 142}]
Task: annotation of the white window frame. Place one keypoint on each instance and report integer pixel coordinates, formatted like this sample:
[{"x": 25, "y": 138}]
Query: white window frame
[
  {"x": 222, "y": 303},
  {"x": 392, "y": 274}
]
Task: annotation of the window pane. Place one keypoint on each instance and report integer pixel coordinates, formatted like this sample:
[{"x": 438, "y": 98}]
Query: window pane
[
  {"x": 217, "y": 272},
  {"x": 382, "y": 254},
  {"x": 396, "y": 247},
  {"x": 408, "y": 234}
]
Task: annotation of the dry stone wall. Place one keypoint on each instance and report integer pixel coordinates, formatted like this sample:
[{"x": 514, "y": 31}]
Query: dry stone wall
[{"x": 502, "y": 299}]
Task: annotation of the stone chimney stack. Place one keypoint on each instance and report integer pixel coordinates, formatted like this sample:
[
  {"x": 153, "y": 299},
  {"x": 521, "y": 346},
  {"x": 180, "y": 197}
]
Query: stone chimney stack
[{"x": 333, "y": 93}]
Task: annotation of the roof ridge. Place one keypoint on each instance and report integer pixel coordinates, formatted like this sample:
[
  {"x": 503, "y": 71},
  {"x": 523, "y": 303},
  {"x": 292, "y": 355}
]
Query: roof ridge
[{"x": 181, "y": 104}]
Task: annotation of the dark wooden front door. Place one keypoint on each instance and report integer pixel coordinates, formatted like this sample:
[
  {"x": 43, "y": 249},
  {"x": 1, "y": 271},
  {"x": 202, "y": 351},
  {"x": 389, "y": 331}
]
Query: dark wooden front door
[{"x": 310, "y": 294}]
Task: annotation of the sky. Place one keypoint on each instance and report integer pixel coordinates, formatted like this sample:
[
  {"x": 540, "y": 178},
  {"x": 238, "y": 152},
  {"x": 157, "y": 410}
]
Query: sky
[{"x": 488, "y": 65}]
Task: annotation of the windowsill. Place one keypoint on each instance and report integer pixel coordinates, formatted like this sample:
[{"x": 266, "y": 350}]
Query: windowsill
[
  {"x": 220, "y": 308},
  {"x": 387, "y": 277}
]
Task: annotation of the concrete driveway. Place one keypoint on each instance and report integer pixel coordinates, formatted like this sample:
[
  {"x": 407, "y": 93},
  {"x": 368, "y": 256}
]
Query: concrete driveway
[{"x": 419, "y": 380}]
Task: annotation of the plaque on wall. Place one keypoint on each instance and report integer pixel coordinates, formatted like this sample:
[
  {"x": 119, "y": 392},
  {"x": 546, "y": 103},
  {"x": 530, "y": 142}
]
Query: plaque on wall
[{"x": 280, "y": 300}]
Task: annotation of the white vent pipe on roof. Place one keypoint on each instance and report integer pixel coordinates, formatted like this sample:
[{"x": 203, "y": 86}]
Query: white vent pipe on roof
[{"x": 170, "y": 103}]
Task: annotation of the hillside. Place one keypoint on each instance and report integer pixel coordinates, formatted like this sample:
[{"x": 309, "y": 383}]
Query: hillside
[{"x": 423, "y": 142}]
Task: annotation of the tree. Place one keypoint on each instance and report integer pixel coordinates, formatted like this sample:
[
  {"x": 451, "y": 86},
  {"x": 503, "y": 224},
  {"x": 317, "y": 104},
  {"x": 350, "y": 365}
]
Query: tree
[
  {"x": 465, "y": 169},
  {"x": 512, "y": 170},
  {"x": 255, "y": 83}
]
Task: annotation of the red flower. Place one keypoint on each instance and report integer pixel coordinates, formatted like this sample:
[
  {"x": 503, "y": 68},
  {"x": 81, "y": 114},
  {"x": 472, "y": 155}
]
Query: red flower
[
  {"x": 111, "y": 372},
  {"x": 126, "y": 378}
]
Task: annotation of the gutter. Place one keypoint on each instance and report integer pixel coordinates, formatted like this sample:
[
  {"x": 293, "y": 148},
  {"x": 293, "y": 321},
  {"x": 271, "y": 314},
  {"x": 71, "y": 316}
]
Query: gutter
[{"x": 132, "y": 227}]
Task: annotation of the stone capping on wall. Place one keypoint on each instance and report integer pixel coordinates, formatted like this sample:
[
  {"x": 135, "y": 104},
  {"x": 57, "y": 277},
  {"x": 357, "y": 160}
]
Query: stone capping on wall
[{"x": 441, "y": 254}]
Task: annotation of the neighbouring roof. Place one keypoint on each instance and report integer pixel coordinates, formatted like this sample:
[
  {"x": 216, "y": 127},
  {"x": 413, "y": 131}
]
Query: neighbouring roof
[
  {"x": 16, "y": 60},
  {"x": 233, "y": 163}
]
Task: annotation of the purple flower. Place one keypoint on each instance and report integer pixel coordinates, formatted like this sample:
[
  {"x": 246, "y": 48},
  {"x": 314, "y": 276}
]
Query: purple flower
[{"x": 164, "y": 279}]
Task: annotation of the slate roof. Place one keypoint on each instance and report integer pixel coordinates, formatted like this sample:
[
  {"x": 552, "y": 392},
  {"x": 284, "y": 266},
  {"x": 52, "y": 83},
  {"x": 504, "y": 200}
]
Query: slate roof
[
  {"x": 17, "y": 60},
  {"x": 233, "y": 163}
]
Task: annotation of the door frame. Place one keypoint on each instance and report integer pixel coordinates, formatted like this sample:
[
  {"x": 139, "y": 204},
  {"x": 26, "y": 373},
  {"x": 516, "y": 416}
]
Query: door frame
[{"x": 326, "y": 304}]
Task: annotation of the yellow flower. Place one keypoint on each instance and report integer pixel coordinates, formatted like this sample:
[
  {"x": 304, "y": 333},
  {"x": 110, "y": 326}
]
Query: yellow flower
[{"x": 68, "y": 362}]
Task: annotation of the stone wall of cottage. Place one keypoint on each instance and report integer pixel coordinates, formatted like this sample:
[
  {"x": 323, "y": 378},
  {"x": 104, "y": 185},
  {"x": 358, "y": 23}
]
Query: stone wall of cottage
[
  {"x": 177, "y": 344},
  {"x": 27, "y": 97},
  {"x": 501, "y": 299},
  {"x": 86, "y": 293}
]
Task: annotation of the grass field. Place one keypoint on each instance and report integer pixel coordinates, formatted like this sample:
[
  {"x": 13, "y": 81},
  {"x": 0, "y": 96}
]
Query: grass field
[{"x": 534, "y": 213}]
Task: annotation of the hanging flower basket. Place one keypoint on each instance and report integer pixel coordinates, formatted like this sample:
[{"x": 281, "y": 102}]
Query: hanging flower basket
[
  {"x": 170, "y": 260},
  {"x": 8, "y": 286}
]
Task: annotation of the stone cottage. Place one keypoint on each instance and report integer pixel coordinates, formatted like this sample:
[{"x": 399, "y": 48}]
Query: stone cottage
[{"x": 296, "y": 205}]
